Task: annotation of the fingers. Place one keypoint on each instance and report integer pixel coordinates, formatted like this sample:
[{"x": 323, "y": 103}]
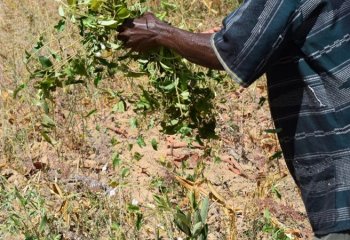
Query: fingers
[
  {"x": 136, "y": 39},
  {"x": 213, "y": 30},
  {"x": 140, "y": 23},
  {"x": 128, "y": 23},
  {"x": 217, "y": 29},
  {"x": 123, "y": 37},
  {"x": 136, "y": 33}
]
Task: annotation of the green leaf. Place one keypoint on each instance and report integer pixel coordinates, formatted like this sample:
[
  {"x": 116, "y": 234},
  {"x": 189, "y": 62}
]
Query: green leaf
[
  {"x": 168, "y": 6},
  {"x": 168, "y": 87},
  {"x": 55, "y": 55},
  {"x": 29, "y": 237},
  {"x": 197, "y": 229},
  {"x": 197, "y": 217},
  {"x": 116, "y": 160},
  {"x": 47, "y": 138},
  {"x": 114, "y": 141},
  {"x": 76, "y": 66},
  {"x": 133, "y": 123},
  {"x": 119, "y": 107},
  {"x": 125, "y": 172},
  {"x": 138, "y": 223},
  {"x": 174, "y": 122},
  {"x": 58, "y": 237},
  {"x": 262, "y": 100},
  {"x": 133, "y": 208},
  {"x": 22, "y": 200},
  {"x": 141, "y": 141},
  {"x": 96, "y": 4},
  {"x": 27, "y": 57},
  {"x": 267, "y": 215},
  {"x": 204, "y": 209},
  {"x": 154, "y": 144},
  {"x": 166, "y": 67},
  {"x": 204, "y": 233},
  {"x": 115, "y": 226},
  {"x": 151, "y": 124},
  {"x": 278, "y": 130},
  {"x": 276, "y": 191},
  {"x": 15, "y": 219},
  {"x": 123, "y": 13},
  {"x": 48, "y": 122},
  {"x": 97, "y": 80},
  {"x": 39, "y": 44},
  {"x": 185, "y": 95},
  {"x": 162, "y": 202},
  {"x": 181, "y": 106},
  {"x": 90, "y": 113},
  {"x": 138, "y": 156},
  {"x": 43, "y": 223},
  {"x": 72, "y": 2},
  {"x": 192, "y": 197},
  {"x": 276, "y": 155},
  {"x": 182, "y": 222},
  {"x": 114, "y": 46},
  {"x": 135, "y": 74},
  {"x": 60, "y": 26},
  {"x": 217, "y": 160},
  {"x": 18, "y": 89},
  {"x": 89, "y": 22},
  {"x": 108, "y": 23},
  {"x": 44, "y": 105},
  {"x": 45, "y": 62}
]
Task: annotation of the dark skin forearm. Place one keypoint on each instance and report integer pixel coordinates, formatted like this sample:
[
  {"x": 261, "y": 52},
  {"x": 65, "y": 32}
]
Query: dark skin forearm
[
  {"x": 148, "y": 32},
  {"x": 195, "y": 47}
]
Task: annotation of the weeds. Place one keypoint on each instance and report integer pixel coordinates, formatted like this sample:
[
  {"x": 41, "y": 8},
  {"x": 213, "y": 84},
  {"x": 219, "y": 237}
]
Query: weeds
[
  {"x": 175, "y": 89},
  {"x": 108, "y": 172}
]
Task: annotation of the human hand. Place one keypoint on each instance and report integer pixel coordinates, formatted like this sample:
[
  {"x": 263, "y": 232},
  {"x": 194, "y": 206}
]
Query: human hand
[
  {"x": 140, "y": 34},
  {"x": 213, "y": 30},
  {"x": 147, "y": 32}
]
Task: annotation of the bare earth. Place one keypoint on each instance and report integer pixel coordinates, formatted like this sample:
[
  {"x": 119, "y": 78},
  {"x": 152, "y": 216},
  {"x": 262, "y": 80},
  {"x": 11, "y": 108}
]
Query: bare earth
[{"x": 98, "y": 166}]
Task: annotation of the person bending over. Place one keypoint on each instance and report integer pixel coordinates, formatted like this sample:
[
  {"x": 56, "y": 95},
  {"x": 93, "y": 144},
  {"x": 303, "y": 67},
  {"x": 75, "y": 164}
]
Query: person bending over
[{"x": 303, "y": 47}]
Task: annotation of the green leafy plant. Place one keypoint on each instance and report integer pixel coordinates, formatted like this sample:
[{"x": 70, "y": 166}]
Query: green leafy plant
[
  {"x": 268, "y": 227},
  {"x": 26, "y": 213},
  {"x": 183, "y": 95},
  {"x": 136, "y": 214},
  {"x": 193, "y": 223}
]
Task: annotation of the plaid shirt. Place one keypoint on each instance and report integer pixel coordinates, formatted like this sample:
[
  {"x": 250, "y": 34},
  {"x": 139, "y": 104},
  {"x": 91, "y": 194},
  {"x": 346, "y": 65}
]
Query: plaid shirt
[{"x": 304, "y": 48}]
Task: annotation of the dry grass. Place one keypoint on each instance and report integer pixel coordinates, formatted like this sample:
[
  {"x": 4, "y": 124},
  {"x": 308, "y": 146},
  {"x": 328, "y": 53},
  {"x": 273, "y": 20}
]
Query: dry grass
[{"x": 73, "y": 191}]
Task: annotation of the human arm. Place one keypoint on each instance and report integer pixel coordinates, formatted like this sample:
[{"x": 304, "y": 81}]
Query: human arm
[
  {"x": 251, "y": 39},
  {"x": 148, "y": 32}
]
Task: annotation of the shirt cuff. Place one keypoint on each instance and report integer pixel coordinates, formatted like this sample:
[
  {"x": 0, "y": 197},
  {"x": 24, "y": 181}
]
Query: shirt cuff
[{"x": 232, "y": 74}]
